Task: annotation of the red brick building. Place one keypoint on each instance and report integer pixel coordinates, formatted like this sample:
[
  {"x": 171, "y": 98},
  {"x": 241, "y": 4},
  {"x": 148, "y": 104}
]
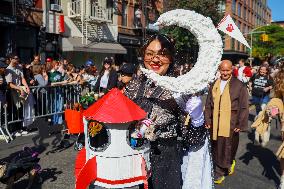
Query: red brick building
[
  {"x": 248, "y": 15},
  {"x": 135, "y": 22}
]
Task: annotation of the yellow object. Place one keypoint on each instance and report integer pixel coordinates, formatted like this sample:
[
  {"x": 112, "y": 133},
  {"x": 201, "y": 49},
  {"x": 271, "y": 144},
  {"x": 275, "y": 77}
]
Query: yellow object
[
  {"x": 280, "y": 152},
  {"x": 187, "y": 120},
  {"x": 219, "y": 180},
  {"x": 261, "y": 123},
  {"x": 264, "y": 37},
  {"x": 222, "y": 110},
  {"x": 94, "y": 128},
  {"x": 232, "y": 169}
]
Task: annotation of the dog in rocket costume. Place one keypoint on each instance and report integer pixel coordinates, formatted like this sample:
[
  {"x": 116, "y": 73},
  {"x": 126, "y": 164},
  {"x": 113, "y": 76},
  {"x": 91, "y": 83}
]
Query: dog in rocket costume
[{"x": 108, "y": 160}]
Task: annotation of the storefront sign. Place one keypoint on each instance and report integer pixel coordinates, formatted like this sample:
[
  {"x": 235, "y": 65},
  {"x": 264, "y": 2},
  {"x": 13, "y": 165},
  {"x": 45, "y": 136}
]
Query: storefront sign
[{"x": 56, "y": 23}]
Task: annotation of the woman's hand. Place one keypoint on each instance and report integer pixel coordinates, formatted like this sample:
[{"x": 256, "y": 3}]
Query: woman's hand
[
  {"x": 32, "y": 82},
  {"x": 207, "y": 126},
  {"x": 236, "y": 130}
]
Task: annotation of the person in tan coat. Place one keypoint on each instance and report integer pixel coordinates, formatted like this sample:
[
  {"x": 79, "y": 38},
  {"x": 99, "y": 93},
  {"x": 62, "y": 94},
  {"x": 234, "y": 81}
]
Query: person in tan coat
[{"x": 226, "y": 114}]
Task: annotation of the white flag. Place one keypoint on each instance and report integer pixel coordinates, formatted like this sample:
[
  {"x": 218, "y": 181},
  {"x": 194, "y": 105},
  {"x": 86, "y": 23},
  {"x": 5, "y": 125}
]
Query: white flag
[{"x": 228, "y": 26}]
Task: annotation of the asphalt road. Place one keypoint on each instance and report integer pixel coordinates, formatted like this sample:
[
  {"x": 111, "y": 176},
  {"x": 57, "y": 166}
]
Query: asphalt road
[{"x": 256, "y": 168}]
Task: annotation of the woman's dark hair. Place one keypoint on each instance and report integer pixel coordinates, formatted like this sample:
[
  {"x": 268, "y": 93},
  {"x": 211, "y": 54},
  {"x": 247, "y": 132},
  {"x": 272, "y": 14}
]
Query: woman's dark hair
[
  {"x": 37, "y": 69},
  {"x": 266, "y": 67},
  {"x": 167, "y": 45},
  {"x": 106, "y": 61}
]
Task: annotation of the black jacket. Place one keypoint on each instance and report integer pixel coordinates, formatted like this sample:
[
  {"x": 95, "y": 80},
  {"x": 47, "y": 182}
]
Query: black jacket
[{"x": 112, "y": 81}]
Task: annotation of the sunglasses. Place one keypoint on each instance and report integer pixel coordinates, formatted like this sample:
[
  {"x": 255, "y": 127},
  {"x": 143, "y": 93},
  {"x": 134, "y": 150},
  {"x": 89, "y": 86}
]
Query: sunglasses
[{"x": 125, "y": 74}]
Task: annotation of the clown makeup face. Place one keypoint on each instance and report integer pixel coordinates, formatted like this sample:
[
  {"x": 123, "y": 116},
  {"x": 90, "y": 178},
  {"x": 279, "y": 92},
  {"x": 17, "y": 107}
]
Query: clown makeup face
[{"x": 156, "y": 58}]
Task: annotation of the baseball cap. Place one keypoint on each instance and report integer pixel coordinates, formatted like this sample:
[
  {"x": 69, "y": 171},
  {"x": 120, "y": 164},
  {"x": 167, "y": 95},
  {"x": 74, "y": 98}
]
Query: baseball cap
[
  {"x": 48, "y": 60},
  {"x": 127, "y": 69},
  {"x": 89, "y": 63}
]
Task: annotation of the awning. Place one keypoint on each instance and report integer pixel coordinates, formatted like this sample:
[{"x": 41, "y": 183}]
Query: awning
[{"x": 75, "y": 44}]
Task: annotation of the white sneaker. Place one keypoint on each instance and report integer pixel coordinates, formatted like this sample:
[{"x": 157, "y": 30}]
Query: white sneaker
[
  {"x": 24, "y": 133},
  {"x": 17, "y": 134}
]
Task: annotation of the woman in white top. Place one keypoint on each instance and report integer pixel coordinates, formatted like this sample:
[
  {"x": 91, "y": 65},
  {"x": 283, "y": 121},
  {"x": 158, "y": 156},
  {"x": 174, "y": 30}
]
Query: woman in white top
[{"x": 107, "y": 78}]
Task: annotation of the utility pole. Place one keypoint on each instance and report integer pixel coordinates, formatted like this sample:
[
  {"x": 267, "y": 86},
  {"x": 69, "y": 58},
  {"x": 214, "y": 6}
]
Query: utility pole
[
  {"x": 144, "y": 25},
  {"x": 43, "y": 30},
  {"x": 251, "y": 35}
]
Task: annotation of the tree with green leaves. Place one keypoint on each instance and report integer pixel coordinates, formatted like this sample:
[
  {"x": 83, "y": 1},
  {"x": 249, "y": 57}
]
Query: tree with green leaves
[
  {"x": 274, "y": 44},
  {"x": 186, "y": 43}
]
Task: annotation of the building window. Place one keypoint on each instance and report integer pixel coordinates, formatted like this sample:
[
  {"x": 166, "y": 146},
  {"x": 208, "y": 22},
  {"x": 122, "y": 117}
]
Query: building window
[
  {"x": 249, "y": 17},
  {"x": 240, "y": 25},
  {"x": 239, "y": 10},
  {"x": 239, "y": 46},
  {"x": 58, "y": 2},
  {"x": 124, "y": 13},
  {"x": 222, "y": 7},
  {"x": 234, "y": 6},
  {"x": 232, "y": 43},
  {"x": 245, "y": 14}
]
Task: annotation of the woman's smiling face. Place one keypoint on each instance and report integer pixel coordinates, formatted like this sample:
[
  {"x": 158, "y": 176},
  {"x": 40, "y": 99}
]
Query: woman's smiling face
[{"x": 156, "y": 59}]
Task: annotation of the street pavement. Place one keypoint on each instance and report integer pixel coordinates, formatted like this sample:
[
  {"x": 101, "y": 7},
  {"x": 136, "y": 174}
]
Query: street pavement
[{"x": 256, "y": 168}]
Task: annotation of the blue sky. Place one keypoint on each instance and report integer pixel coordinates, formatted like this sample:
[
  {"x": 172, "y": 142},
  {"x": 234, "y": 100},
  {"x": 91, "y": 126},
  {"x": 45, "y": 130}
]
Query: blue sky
[{"x": 277, "y": 9}]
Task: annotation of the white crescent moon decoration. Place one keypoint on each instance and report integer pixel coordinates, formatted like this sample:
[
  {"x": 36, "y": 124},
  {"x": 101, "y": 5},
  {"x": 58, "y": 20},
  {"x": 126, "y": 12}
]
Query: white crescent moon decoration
[{"x": 209, "y": 55}]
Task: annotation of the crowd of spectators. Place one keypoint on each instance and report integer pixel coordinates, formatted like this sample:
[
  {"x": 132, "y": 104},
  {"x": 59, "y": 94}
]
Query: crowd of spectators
[
  {"x": 17, "y": 79},
  {"x": 18, "y": 83}
]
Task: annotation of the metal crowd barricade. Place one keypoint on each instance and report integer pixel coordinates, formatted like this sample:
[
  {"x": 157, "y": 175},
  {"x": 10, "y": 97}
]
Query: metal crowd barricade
[
  {"x": 42, "y": 102},
  {"x": 3, "y": 123}
]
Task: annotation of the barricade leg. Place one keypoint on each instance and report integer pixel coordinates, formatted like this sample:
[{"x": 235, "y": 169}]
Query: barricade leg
[{"x": 6, "y": 123}]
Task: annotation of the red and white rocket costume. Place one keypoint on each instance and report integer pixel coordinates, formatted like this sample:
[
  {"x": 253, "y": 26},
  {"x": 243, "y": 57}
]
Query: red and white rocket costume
[{"x": 118, "y": 165}]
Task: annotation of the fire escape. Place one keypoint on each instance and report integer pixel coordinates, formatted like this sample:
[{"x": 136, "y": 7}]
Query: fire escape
[{"x": 93, "y": 19}]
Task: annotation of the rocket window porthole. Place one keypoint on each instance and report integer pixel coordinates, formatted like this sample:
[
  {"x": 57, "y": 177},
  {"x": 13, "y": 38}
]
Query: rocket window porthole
[
  {"x": 135, "y": 143},
  {"x": 98, "y": 136}
]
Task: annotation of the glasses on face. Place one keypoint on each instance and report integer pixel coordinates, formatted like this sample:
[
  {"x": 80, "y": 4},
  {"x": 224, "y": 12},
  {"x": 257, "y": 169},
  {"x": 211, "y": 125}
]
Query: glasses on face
[
  {"x": 149, "y": 55},
  {"x": 15, "y": 58}
]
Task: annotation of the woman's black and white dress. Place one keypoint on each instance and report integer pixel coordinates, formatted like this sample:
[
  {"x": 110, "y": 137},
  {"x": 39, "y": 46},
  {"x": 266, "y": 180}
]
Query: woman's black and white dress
[{"x": 177, "y": 150}]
